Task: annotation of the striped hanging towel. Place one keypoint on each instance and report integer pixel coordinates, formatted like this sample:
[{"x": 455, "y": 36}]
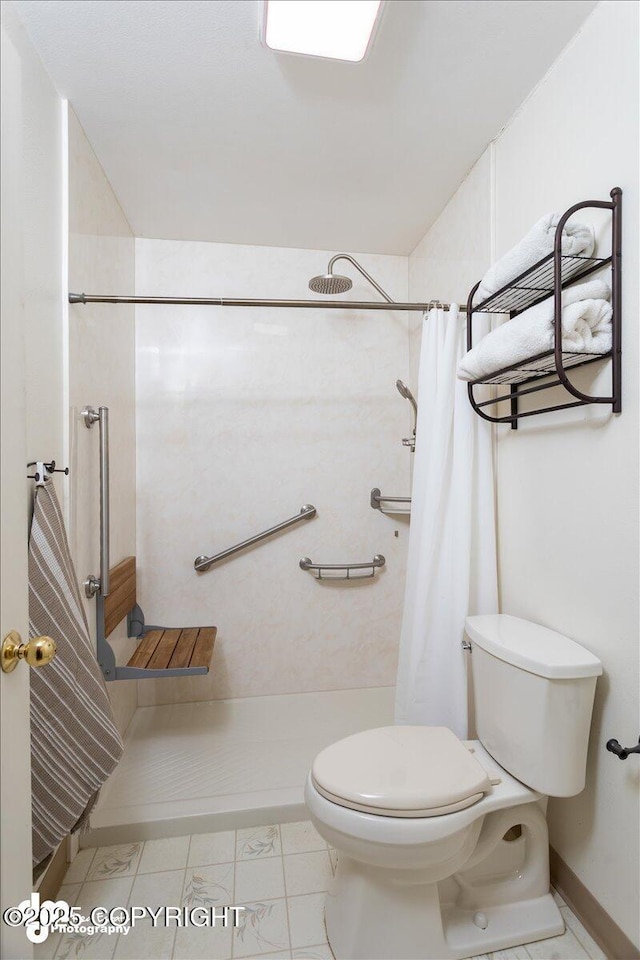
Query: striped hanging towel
[{"x": 75, "y": 744}]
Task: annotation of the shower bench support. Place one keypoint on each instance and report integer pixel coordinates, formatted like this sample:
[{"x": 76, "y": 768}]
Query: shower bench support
[{"x": 162, "y": 651}]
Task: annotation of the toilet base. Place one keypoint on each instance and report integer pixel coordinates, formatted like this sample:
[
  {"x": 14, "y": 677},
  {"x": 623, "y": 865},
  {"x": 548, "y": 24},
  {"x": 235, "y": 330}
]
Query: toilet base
[
  {"x": 371, "y": 915},
  {"x": 508, "y": 925}
]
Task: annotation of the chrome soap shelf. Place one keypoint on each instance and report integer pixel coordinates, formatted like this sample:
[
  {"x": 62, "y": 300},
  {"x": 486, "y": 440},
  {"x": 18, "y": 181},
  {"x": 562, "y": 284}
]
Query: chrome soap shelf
[
  {"x": 343, "y": 571},
  {"x": 546, "y": 278}
]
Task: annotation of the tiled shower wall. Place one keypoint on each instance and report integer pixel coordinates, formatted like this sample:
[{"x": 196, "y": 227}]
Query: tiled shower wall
[
  {"x": 243, "y": 416},
  {"x": 101, "y": 372}
]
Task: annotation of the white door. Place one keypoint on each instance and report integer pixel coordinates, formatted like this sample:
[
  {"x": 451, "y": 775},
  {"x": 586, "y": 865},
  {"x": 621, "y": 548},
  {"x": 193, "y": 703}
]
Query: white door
[{"x": 15, "y": 782}]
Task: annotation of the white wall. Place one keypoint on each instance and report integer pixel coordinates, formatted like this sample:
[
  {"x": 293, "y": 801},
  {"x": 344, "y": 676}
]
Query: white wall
[
  {"x": 31, "y": 287},
  {"x": 101, "y": 372},
  {"x": 244, "y": 415},
  {"x": 568, "y": 482},
  {"x": 42, "y": 217}
]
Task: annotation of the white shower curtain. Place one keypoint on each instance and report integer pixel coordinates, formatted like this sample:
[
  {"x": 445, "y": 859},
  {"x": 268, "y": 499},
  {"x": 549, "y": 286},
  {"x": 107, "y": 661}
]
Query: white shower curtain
[{"x": 451, "y": 568}]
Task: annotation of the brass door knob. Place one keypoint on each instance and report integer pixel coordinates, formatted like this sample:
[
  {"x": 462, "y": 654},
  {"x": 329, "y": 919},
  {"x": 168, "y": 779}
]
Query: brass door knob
[{"x": 38, "y": 652}]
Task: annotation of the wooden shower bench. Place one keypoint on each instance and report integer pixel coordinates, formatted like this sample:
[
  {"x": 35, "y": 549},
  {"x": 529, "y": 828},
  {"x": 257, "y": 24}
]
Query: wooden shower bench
[{"x": 162, "y": 651}]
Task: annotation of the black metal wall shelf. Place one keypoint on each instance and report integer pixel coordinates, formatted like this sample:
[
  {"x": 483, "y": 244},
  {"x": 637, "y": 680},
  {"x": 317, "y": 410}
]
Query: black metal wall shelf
[{"x": 547, "y": 278}]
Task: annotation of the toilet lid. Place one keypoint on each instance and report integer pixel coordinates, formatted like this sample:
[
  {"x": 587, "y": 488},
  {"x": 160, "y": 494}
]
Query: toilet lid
[{"x": 401, "y": 771}]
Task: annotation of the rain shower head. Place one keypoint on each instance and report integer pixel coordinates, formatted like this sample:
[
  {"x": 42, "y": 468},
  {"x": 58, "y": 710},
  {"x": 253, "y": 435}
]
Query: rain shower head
[
  {"x": 330, "y": 284},
  {"x": 404, "y": 391}
]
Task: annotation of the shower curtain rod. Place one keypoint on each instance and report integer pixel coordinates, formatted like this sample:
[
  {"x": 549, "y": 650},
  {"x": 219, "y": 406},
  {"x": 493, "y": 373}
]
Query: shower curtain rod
[{"x": 236, "y": 302}]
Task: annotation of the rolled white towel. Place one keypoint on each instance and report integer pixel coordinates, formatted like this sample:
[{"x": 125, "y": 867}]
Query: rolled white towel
[
  {"x": 586, "y": 328},
  {"x": 578, "y": 240}
]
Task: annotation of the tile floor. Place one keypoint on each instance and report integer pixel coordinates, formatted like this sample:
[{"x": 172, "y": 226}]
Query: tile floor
[{"x": 279, "y": 873}]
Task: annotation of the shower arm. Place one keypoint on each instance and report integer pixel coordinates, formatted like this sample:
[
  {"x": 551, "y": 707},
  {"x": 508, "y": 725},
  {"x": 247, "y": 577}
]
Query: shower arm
[{"x": 367, "y": 276}]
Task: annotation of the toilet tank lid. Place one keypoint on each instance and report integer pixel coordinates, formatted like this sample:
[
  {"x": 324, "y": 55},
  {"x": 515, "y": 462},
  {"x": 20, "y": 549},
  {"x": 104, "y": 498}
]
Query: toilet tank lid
[{"x": 532, "y": 647}]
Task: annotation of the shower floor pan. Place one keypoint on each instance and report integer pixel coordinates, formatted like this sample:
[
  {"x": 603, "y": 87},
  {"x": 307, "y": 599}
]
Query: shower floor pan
[{"x": 223, "y": 764}]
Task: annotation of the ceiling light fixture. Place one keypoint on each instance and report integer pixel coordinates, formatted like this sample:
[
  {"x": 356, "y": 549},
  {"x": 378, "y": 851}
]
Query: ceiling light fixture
[{"x": 334, "y": 29}]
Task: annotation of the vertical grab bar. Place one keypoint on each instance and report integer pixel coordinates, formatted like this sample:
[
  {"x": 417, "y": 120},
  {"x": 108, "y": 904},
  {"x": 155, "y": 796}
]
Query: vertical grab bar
[
  {"x": 100, "y": 585},
  {"x": 104, "y": 501}
]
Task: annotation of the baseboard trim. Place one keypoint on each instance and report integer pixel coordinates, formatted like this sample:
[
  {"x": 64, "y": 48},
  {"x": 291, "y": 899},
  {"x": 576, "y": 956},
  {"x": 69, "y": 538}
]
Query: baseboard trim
[
  {"x": 51, "y": 880},
  {"x": 591, "y": 914}
]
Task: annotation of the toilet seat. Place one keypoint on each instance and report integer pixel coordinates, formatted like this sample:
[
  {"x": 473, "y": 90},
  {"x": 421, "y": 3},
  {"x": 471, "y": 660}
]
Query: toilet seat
[{"x": 401, "y": 771}]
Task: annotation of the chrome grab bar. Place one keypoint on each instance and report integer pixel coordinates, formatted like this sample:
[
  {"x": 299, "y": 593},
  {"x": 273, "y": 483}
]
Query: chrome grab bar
[
  {"x": 203, "y": 563},
  {"x": 317, "y": 568},
  {"x": 376, "y": 498},
  {"x": 100, "y": 585}
]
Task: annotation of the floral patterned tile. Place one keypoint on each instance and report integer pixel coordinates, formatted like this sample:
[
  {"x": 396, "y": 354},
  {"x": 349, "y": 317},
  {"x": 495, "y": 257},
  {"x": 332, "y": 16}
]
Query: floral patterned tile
[
  {"x": 78, "y": 869},
  {"x": 259, "y": 880},
  {"x": 322, "y": 951},
  {"x": 583, "y": 937},
  {"x": 280, "y": 955},
  {"x": 301, "y": 837},
  {"x": 47, "y": 949},
  {"x": 203, "y": 943},
  {"x": 565, "y": 947},
  {"x": 118, "y": 861},
  {"x": 98, "y": 946},
  {"x": 208, "y": 848},
  {"x": 169, "y": 853},
  {"x": 253, "y": 843},
  {"x": 263, "y": 929},
  {"x": 86, "y": 946},
  {"x": 69, "y": 893},
  {"x": 110, "y": 893},
  {"x": 211, "y": 886},
  {"x": 306, "y": 920},
  {"x": 145, "y": 942},
  {"x": 307, "y": 872},
  {"x": 157, "y": 889}
]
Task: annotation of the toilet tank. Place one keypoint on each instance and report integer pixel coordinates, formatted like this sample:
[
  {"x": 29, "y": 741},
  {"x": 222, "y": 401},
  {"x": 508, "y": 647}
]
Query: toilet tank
[{"x": 533, "y": 690}]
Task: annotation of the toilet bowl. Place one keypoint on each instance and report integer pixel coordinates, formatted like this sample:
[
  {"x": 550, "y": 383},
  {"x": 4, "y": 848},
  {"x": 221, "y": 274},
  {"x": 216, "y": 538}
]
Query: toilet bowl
[{"x": 428, "y": 863}]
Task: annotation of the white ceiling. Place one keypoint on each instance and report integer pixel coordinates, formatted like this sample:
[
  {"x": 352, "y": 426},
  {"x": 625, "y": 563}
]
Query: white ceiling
[{"x": 207, "y": 135}]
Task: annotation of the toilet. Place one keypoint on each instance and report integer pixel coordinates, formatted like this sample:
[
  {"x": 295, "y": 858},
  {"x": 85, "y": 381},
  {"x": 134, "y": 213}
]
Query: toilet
[{"x": 442, "y": 843}]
